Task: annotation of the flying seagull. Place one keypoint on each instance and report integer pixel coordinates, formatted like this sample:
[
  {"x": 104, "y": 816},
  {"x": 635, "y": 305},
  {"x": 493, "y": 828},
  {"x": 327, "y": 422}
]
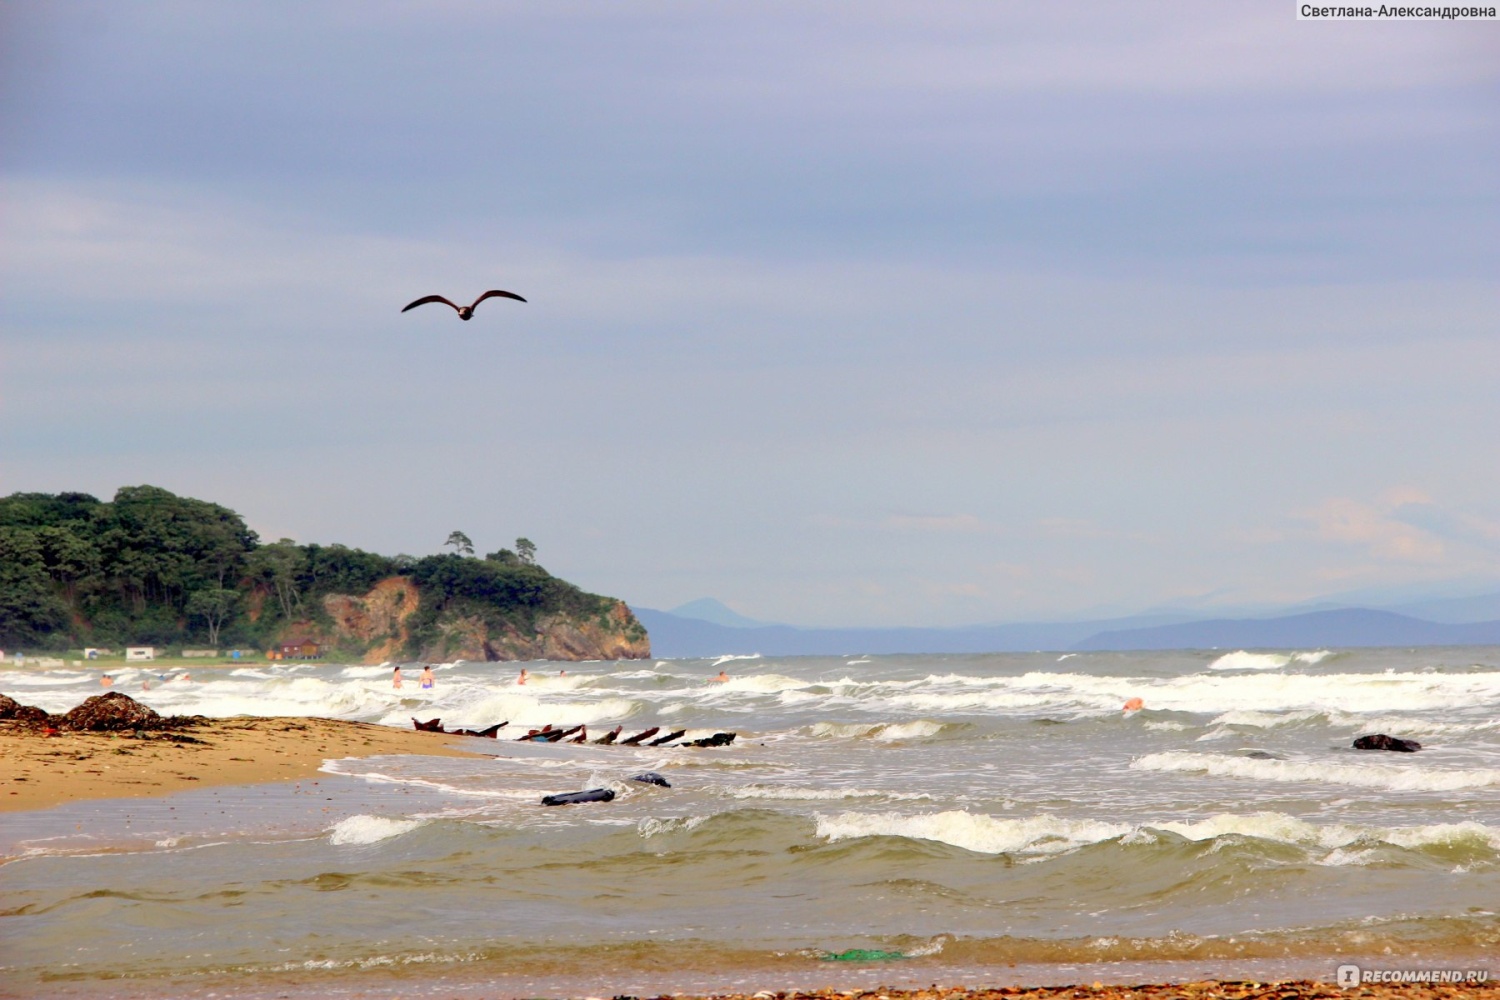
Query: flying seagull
[{"x": 465, "y": 312}]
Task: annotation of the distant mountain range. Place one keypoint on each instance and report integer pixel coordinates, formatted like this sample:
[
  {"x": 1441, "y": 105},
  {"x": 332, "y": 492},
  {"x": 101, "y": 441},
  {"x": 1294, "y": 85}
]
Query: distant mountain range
[{"x": 708, "y": 628}]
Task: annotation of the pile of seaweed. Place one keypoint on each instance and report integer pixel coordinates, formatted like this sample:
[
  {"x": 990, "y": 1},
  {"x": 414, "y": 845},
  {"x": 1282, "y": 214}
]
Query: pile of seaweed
[{"x": 103, "y": 713}]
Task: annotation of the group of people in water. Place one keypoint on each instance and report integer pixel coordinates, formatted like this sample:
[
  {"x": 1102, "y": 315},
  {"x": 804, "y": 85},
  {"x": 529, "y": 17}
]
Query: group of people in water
[
  {"x": 108, "y": 680},
  {"x": 426, "y": 681}
]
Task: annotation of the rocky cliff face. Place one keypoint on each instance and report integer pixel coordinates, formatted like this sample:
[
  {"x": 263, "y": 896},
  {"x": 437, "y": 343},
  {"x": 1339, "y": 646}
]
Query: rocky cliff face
[
  {"x": 378, "y": 620},
  {"x": 615, "y": 635},
  {"x": 377, "y": 627}
]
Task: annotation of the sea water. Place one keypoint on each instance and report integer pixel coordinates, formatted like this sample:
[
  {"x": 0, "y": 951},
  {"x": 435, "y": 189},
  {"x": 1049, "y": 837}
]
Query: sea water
[{"x": 966, "y": 812}]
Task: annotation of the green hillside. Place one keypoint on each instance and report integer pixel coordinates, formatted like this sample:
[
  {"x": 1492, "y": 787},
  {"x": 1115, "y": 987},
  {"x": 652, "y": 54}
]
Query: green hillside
[{"x": 153, "y": 568}]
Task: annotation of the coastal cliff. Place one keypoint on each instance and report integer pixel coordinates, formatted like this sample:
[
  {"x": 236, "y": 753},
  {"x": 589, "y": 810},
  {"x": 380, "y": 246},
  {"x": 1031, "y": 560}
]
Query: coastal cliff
[
  {"x": 385, "y": 624},
  {"x": 152, "y": 568}
]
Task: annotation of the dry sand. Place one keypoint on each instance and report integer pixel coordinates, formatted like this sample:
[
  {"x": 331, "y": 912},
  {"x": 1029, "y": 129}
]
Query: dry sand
[{"x": 38, "y": 771}]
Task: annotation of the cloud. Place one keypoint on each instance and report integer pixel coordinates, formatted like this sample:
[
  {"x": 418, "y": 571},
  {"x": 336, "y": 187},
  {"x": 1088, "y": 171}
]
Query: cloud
[
  {"x": 1376, "y": 530},
  {"x": 960, "y": 524}
]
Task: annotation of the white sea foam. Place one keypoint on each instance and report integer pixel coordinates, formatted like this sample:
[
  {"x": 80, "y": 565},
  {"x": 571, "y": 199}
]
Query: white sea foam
[
  {"x": 920, "y": 729},
  {"x": 888, "y": 731},
  {"x": 651, "y": 826},
  {"x": 384, "y": 670},
  {"x": 793, "y": 794},
  {"x": 369, "y": 829},
  {"x": 1265, "y": 720},
  {"x": 1044, "y": 834},
  {"x": 1241, "y": 660},
  {"x": 1405, "y": 777}
]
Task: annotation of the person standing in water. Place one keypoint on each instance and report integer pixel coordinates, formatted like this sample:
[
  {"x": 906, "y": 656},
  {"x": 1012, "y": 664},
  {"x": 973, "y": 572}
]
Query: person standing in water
[
  {"x": 522, "y": 679},
  {"x": 396, "y": 679},
  {"x": 426, "y": 680}
]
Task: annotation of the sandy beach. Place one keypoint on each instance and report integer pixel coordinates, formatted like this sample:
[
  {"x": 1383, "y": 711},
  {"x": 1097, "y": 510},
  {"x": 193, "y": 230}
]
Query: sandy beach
[{"x": 39, "y": 771}]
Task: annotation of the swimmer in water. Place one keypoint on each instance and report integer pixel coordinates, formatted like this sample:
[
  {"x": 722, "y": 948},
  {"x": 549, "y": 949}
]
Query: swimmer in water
[
  {"x": 1134, "y": 705},
  {"x": 721, "y": 678},
  {"x": 106, "y": 681},
  {"x": 396, "y": 679},
  {"x": 426, "y": 680},
  {"x": 522, "y": 679}
]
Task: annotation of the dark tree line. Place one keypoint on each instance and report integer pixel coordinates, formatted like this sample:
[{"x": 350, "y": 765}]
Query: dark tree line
[{"x": 153, "y": 567}]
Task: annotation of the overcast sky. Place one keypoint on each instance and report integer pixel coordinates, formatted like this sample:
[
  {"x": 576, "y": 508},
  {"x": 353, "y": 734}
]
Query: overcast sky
[{"x": 846, "y": 314}]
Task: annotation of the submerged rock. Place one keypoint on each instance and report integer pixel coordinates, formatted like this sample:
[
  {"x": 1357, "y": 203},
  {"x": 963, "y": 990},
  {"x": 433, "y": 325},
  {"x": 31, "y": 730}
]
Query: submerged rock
[
  {"x": 716, "y": 740},
  {"x": 652, "y": 778},
  {"x": 1380, "y": 741},
  {"x": 111, "y": 711}
]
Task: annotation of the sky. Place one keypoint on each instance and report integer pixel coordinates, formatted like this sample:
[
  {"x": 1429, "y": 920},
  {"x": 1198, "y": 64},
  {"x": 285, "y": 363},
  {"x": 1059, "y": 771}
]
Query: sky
[{"x": 844, "y": 314}]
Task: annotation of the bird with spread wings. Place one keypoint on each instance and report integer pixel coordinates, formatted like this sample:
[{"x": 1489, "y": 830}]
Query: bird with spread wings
[{"x": 464, "y": 312}]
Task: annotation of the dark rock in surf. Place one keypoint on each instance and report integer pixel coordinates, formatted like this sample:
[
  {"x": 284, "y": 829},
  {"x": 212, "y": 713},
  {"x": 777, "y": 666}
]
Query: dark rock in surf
[
  {"x": 573, "y": 798},
  {"x": 8, "y": 706},
  {"x": 110, "y": 712},
  {"x": 430, "y": 726},
  {"x": 716, "y": 740},
  {"x": 652, "y": 778},
  {"x": 1380, "y": 741},
  {"x": 660, "y": 741},
  {"x": 489, "y": 732}
]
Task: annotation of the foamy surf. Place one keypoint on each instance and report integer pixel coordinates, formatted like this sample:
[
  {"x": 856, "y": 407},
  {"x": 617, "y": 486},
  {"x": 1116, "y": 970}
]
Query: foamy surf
[
  {"x": 369, "y": 829},
  {"x": 990, "y": 797},
  {"x": 1395, "y": 778}
]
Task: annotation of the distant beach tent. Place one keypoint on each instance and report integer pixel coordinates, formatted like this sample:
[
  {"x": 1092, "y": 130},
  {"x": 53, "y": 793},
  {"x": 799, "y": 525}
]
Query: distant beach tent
[{"x": 464, "y": 312}]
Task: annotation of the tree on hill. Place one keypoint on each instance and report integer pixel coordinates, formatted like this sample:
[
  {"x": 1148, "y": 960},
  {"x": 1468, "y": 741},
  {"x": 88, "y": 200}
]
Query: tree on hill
[
  {"x": 151, "y": 567},
  {"x": 213, "y": 605},
  {"x": 278, "y": 566}
]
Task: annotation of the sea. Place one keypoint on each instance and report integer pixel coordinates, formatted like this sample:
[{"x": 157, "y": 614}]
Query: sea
[{"x": 896, "y": 820}]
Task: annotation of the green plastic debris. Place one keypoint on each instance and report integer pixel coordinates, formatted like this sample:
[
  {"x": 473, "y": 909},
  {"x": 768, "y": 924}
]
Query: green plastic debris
[{"x": 863, "y": 955}]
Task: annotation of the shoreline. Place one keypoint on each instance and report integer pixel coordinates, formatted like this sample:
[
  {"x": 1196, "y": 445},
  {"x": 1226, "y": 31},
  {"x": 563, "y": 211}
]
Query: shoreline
[
  {"x": 38, "y": 771},
  {"x": 1026, "y": 983}
]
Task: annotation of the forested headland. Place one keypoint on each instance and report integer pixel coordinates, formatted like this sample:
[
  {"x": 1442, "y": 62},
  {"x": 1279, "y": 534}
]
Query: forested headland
[{"x": 154, "y": 568}]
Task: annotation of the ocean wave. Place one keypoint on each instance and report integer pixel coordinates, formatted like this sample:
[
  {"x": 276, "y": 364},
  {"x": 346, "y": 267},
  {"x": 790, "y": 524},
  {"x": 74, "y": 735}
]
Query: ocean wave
[
  {"x": 1046, "y": 834},
  {"x": 888, "y": 731},
  {"x": 1396, "y": 778},
  {"x": 794, "y": 794},
  {"x": 369, "y": 829},
  {"x": 982, "y": 834},
  {"x": 1241, "y": 660}
]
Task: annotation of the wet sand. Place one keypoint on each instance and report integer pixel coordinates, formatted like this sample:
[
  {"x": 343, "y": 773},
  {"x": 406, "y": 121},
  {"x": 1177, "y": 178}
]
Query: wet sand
[
  {"x": 416, "y": 988},
  {"x": 38, "y": 771}
]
